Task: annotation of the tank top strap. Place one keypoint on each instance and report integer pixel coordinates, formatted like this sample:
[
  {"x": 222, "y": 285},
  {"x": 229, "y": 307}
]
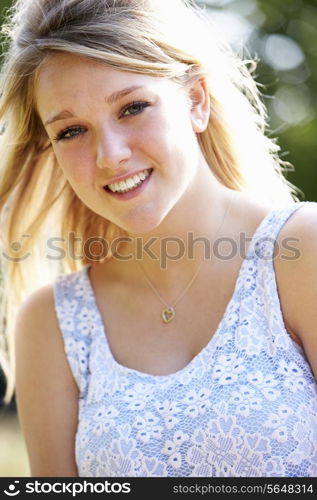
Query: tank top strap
[
  {"x": 264, "y": 251},
  {"x": 269, "y": 229},
  {"x": 72, "y": 302}
]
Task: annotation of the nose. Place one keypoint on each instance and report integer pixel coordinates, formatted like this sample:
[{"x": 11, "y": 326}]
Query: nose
[{"x": 112, "y": 149}]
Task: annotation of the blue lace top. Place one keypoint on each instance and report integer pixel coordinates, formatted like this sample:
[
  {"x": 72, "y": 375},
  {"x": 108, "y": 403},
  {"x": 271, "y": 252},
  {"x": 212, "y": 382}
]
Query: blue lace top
[{"x": 245, "y": 406}]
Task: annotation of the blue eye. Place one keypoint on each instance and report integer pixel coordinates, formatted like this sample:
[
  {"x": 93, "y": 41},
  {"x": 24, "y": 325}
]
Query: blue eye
[
  {"x": 135, "y": 108},
  {"x": 132, "y": 109},
  {"x": 69, "y": 133}
]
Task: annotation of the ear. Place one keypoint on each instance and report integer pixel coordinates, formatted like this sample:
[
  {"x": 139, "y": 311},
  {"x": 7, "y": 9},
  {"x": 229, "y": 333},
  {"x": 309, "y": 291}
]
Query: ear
[{"x": 200, "y": 105}]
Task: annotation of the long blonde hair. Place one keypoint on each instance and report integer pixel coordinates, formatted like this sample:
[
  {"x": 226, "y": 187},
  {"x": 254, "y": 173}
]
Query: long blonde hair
[{"x": 161, "y": 38}]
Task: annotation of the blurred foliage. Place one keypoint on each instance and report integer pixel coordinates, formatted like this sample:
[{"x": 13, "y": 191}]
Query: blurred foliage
[
  {"x": 282, "y": 34},
  {"x": 13, "y": 453}
]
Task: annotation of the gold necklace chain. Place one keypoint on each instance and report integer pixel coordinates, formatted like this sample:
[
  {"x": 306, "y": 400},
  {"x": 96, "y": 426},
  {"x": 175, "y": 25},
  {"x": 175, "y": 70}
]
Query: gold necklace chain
[{"x": 168, "y": 313}]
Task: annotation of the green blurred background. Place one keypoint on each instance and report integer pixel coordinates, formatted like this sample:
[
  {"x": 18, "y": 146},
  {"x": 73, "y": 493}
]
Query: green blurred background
[{"x": 282, "y": 34}]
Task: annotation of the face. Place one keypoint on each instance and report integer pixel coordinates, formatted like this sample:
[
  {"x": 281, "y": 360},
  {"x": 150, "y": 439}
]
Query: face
[{"x": 126, "y": 142}]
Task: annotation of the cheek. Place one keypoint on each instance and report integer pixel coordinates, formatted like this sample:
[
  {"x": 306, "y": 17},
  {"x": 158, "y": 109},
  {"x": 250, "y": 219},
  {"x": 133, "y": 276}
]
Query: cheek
[
  {"x": 176, "y": 141},
  {"x": 163, "y": 135},
  {"x": 76, "y": 165}
]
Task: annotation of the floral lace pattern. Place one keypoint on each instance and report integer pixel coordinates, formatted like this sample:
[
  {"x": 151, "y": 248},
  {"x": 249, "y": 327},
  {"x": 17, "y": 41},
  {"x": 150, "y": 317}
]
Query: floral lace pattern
[{"x": 245, "y": 406}]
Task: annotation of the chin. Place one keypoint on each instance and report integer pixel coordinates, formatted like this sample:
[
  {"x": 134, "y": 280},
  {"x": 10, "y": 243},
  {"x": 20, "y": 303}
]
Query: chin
[{"x": 143, "y": 224}]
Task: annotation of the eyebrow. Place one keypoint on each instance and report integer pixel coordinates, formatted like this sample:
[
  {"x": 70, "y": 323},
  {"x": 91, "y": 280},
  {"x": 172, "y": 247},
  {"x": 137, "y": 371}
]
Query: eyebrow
[{"x": 111, "y": 99}]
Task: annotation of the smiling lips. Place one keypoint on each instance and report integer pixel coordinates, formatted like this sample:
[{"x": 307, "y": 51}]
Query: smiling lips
[{"x": 130, "y": 183}]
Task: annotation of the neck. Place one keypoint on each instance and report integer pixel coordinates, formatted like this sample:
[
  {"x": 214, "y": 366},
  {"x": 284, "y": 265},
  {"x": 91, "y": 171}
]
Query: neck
[{"x": 179, "y": 247}]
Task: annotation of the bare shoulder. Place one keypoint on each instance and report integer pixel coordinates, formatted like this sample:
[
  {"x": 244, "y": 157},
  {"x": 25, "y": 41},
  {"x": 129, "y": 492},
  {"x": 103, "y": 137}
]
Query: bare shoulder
[
  {"x": 37, "y": 332},
  {"x": 297, "y": 246},
  {"x": 38, "y": 306},
  {"x": 37, "y": 327},
  {"x": 296, "y": 272},
  {"x": 46, "y": 392},
  {"x": 301, "y": 222}
]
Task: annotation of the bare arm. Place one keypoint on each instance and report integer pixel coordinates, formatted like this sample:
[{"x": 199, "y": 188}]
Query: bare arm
[
  {"x": 46, "y": 392},
  {"x": 297, "y": 280}
]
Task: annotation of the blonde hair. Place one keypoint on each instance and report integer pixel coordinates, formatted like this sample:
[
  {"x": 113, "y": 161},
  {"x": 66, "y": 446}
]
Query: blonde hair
[{"x": 161, "y": 38}]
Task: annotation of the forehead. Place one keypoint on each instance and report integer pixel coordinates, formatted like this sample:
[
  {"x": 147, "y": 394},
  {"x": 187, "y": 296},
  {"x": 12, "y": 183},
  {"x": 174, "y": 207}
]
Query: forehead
[
  {"x": 65, "y": 64},
  {"x": 64, "y": 77}
]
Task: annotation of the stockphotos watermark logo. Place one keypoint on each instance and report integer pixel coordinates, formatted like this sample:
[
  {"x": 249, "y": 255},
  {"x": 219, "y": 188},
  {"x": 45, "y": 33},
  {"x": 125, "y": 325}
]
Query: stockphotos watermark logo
[
  {"x": 162, "y": 250},
  {"x": 60, "y": 487},
  {"x": 12, "y": 490}
]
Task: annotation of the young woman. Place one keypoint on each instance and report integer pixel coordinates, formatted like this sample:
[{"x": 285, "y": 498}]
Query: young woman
[{"x": 181, "y": 340}]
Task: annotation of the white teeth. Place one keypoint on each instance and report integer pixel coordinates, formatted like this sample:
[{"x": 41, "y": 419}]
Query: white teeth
[{"x": 130, "y": 183}]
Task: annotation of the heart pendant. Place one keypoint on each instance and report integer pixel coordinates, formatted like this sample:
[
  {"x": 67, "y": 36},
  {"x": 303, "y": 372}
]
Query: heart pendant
[{"x": 168, "y": 314}]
